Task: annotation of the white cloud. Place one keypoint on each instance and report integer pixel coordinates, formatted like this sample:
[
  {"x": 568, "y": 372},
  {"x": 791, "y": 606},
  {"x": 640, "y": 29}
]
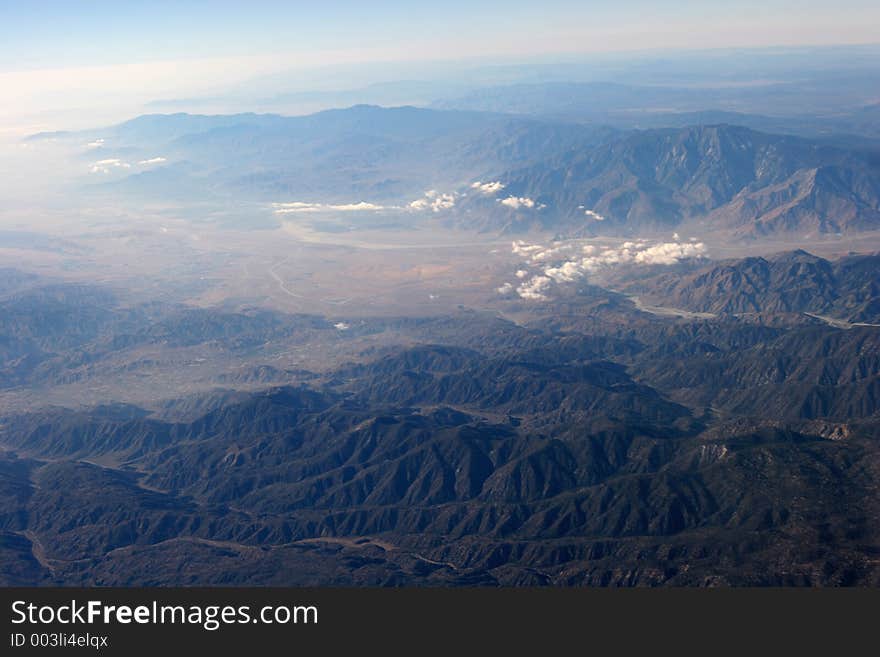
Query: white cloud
[
  {"x": 593, "y": 214},
  {"x": 341, "y": 326},
  {"x": 434, "y": 201},
  {"x": 552, "y": 253},
  {"x": 505, "y": 289},
  {"x": 566, "y": 272},
  {"x": 488, "y": 187},
  {"x": 639, "y": 253},
  {"x": 537, "y": 253},
  {"x": 152, "y": 160},
  {"x": 560, "y": 267},
  {"x": 534, "y": 289},
  {"x": 300, "y": 207},
  {"x": 670, "y": 253},
  {"x": 521, "y": 248},
  {"x": 517, "y": 202},
  {"x": 106, "y": 166},
  {"x": 95, "y": 144},
  {"x": 356, "y": 207}
]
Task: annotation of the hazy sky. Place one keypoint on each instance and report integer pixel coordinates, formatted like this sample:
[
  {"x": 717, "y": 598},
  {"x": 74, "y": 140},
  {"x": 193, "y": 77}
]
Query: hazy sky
[
  {"x": 109, "y": 55},
  {"x": 35, "y": 33}
]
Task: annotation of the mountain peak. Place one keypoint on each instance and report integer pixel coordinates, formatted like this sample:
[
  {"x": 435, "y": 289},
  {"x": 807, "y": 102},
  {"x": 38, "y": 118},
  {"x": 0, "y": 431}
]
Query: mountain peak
[{"x": 797, "y": 255}]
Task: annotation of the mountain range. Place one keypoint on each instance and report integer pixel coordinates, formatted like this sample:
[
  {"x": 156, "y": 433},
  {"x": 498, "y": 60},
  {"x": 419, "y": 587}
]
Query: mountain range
[
  {"x": 846, "y": 289},
  {"x": 589, "y": 443},
  {"x": 554, "y": 175}
]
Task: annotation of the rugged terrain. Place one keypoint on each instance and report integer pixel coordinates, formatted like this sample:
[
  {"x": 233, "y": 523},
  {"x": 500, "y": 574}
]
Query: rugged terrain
[
  {"x": 536, "y": 172},
  {"x": 586, "y": 443}
]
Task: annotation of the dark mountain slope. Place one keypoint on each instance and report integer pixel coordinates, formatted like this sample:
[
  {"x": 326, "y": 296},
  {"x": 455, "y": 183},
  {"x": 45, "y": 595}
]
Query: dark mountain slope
[
  {"x": 511, "y": 385},
  {"x": 516, "y": 469},
  {"x": 585, "y": 509},
  {"x": 591, "y": 443},
  {"x": 802, "y": 374},
  {"x": 794, "y": 282}
]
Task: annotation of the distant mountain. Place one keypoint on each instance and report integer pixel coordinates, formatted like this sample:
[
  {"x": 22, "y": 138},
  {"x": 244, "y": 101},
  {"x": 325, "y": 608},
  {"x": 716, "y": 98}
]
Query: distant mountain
[
  {"x": 157, "y": 129},
  {"x": 556, "y": 175},
  {"x": 779, "y": 107},
  {"x": 362, "y": 153},
  {"x": 715, "y": 177},
  {"x": 572, "y": 100}
]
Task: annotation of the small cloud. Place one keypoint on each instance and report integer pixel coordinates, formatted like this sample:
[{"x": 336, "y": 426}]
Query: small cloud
[
  {"x": 300, "y": 207},
  {"x": 521, "y": 248},
  {"x": 434, "y": 201},
  {"x": 553, "y": 253},
  {"x": 95, "y": 144},
  {"x": 593, "y": 214},
  {"x": 670, "y": 253},
  {"x": 488, "y": 188},
  {"x": 505, "y": 289},
  {"x": 537, "y": 253},
  {"x": 152, "y": 160},
  {"x": 517, "y": 202},
  {"x": 106, "y": 166},
  {"x": 341, "y": 326},
  {"x": 566, "y": 272},
  {"x": 356, "y": 207},
  {"x": 534, "y": 289},
  {"x": 521, "y": 273}
]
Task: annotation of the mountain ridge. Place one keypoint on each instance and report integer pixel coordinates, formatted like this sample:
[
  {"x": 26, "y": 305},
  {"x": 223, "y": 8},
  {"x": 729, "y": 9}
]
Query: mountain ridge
[{"x": 563, "y": 176}]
